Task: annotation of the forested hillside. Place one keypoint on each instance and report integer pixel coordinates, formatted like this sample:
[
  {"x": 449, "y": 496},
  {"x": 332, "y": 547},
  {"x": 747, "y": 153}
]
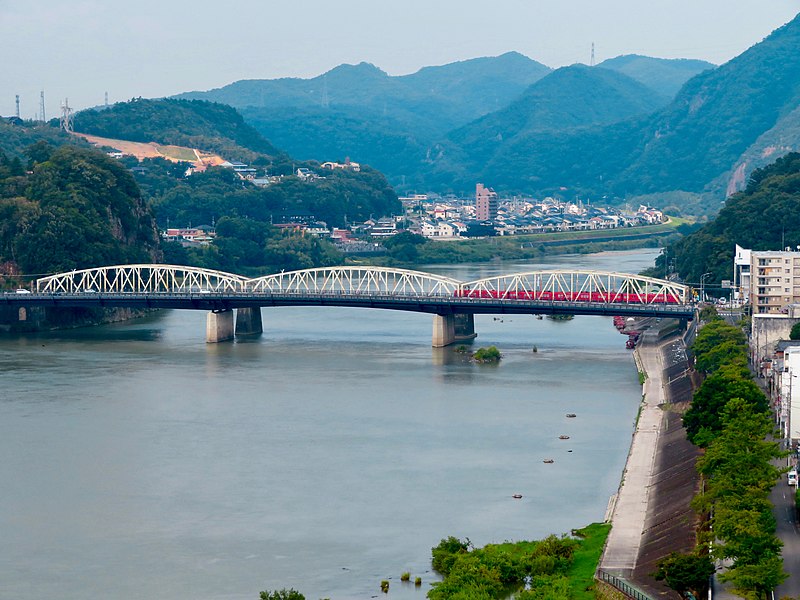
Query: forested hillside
[
  {"x": 362, "y": 112},
  {"x": 443, "y": 96},
  {"x": 687, "y": 146},
  {"x": 196, "y": 124},
  {"x": 401, "y": 125},
  {"x": 663, "y": 76},
  {"x": 765, "y": 216},
  {"x": 569, "y": 98},
  {"x": 53, "y": 219},
  {"x": 15, "y": 138},
  {"x": 76, "y": 209}
]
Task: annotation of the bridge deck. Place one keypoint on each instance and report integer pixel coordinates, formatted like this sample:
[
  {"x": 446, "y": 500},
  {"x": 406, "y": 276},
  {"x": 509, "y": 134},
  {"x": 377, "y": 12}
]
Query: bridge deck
[{"x": 431, "y": 304}]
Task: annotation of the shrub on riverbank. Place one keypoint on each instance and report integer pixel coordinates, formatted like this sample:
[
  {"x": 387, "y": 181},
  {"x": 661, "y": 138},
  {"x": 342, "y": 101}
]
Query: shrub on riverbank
[
  {"x": 486, "y": 355},
  {"x": 553, "y": 567}
]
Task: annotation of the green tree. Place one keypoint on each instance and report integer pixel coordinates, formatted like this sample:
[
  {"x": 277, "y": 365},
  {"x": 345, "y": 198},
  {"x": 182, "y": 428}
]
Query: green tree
[
  {"x": 716, "y": 333},
  {"x": 703, "y": 420},
  {"x": 446, "y": 552},
  {"x": 794, "y": 334},
  {"x": 283, "y": 594},
  {"x": 686, "y": 573},
  {"x": 729, "y": 352},
  {"x": 709, "y": 313}
]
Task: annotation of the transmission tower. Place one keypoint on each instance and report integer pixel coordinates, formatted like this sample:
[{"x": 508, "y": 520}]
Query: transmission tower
[
  {"x": 591, "y": 60},
  {"x": 17, "y": 100},
  {"x": 106, "y": 99},
  {"x": 41, "y": 106},
  {"x": 66, "y": 116}
]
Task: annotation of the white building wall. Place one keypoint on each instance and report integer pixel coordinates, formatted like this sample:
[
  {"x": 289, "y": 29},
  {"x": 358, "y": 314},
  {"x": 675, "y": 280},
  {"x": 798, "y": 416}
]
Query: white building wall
[{"x": 790, "y": 383}]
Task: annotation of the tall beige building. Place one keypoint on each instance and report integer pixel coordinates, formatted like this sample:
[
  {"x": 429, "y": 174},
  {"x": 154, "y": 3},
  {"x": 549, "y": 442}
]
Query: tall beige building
[
  {"x": 485, "y": 203},
  {"x": 768, "y": 280}
]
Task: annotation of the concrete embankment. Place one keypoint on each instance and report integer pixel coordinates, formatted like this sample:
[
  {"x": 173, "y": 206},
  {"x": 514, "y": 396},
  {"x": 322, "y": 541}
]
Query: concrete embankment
[{"x": 650, "y": 514}]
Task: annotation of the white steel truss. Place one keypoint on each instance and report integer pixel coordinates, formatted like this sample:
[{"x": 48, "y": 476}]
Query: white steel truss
[
  {"x": 356, "y": 280},
  {"x": 558, "y": 285},
  {"x": 141, "y": 279},
  {"x": 583, "y": 286}
]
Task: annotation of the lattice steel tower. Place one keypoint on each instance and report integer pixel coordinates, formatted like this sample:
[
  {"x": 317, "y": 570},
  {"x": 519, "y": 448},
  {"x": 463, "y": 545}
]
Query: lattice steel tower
[{"x": 66, "y": 116}]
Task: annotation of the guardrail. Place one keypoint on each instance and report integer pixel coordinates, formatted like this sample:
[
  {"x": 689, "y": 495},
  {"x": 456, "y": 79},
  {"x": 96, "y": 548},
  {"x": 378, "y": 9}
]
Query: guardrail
[{"x": 623, "y": 586}]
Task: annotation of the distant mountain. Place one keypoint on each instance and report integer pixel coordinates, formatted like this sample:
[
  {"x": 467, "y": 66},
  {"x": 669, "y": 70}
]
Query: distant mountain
[
  {"x": 716, "y": 118},
  {"x": 663, "y": 75},
  {"x": 446, "y": 96},
  {"x": 362, "y": 112},
  {"x": 196, "y": 124},
  {"x": 571, "y": 97}
]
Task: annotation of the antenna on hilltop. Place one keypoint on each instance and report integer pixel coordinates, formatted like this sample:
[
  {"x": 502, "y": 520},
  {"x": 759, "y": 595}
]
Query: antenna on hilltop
[
  {"x": 16, "y": 98},
  {"x": 41, "y": 106},
  {"x": 66, "y": 116},
  {"x": 591, "y": 60},
  {"x": 106, "y": 99}
]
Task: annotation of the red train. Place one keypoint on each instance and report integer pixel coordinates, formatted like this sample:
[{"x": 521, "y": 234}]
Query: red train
[{"x": 601, "y": 297}]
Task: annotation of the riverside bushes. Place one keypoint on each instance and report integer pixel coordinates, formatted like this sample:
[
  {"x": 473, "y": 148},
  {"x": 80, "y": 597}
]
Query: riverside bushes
[{"x": 563, "y": 566}]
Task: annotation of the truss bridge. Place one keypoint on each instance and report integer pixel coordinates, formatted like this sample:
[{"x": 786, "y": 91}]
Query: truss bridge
[{"x": 452, "y": 302}]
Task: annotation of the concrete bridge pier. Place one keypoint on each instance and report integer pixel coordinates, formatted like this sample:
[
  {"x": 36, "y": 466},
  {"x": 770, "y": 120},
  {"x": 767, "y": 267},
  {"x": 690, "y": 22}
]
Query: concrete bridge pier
[
  {"x": 444, "y": 330},
  {"x": 248, "y": 321},
  {"x": 219, "y": 326},
  {"x": 465, "y": 327}
]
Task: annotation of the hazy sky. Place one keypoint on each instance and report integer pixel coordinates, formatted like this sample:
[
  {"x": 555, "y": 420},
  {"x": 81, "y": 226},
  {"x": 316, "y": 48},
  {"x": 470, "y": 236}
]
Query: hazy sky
[{"x": 80, "y": 49}]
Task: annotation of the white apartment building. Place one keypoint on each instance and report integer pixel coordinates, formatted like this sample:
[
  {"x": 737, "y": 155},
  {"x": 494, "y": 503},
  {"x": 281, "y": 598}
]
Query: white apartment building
[{"x": 768, "y": 280}]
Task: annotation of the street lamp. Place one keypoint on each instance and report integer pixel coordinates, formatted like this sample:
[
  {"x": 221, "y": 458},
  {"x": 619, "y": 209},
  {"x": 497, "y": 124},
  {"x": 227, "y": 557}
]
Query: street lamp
[{"x": 702, "y": 286}]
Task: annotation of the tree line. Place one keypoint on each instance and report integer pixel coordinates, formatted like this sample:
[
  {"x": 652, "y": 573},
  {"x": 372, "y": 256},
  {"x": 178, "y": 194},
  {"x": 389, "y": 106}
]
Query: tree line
[{"x": 730, "y": 419}]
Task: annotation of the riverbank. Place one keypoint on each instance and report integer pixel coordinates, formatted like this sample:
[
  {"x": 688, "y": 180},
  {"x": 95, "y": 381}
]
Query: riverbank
[{"x": 651, "y": 514}]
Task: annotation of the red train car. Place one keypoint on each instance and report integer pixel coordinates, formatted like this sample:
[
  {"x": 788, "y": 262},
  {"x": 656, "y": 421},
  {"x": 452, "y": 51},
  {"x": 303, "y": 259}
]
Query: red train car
[{"x": 549, "y": 296}]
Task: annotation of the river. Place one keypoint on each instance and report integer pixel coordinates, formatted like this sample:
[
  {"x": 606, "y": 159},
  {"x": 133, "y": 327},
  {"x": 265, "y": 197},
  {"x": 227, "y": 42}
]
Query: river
[{"x": 326, "y": 455}]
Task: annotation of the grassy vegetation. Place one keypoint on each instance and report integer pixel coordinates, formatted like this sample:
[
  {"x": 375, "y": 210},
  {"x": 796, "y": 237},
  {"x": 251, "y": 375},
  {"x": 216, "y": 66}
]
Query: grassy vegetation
[
  {"x": 550, "y": 568},
  {"x": 178, "y": 153},
  {"x": 586, "y": 558}
]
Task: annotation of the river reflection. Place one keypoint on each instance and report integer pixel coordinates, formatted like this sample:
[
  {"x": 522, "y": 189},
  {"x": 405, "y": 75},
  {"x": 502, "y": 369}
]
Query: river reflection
[{"x": 331, "y": 452}]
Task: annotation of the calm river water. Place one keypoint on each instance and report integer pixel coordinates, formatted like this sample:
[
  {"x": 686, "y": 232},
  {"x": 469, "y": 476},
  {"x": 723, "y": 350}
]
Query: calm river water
[{"x": 331, "y": 453}]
